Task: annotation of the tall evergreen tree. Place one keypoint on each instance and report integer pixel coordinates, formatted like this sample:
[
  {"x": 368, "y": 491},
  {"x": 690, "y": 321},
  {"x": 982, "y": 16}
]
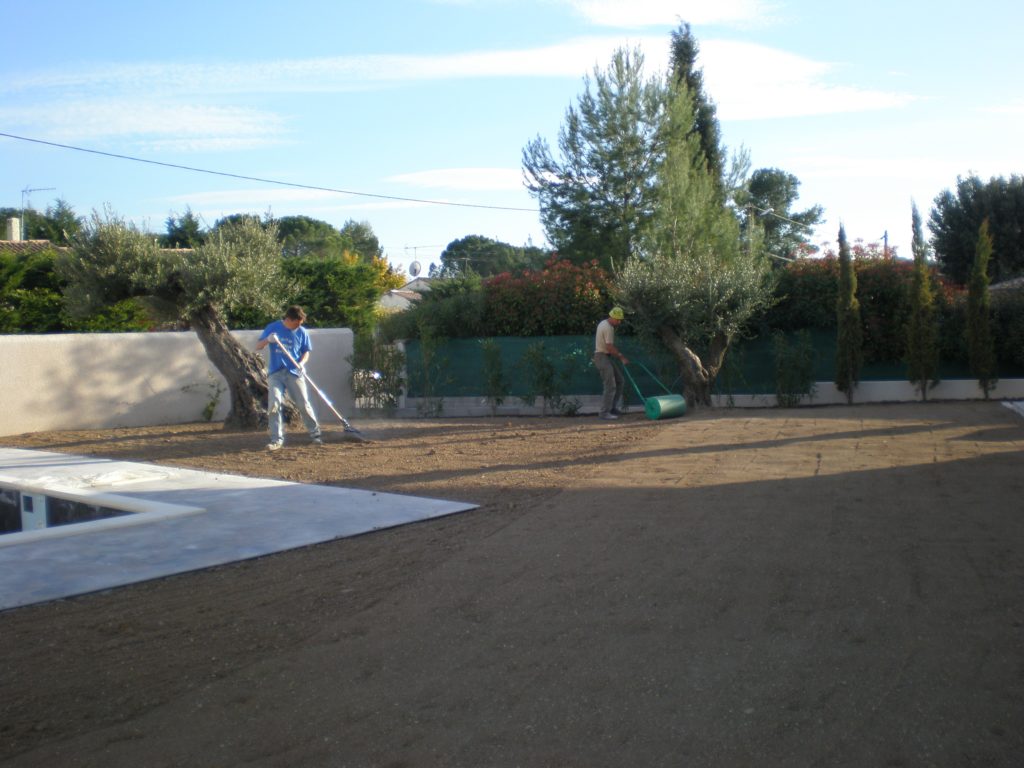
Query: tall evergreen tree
[
  {"x": 598, "y": 194},
  {"x": 184, "y": 231},
  {"x": 980, "y": 344},
  {"x": 850, "y": 333},
  {"x": 922, "y": 330},
  {"x": 705, "y": 125}
]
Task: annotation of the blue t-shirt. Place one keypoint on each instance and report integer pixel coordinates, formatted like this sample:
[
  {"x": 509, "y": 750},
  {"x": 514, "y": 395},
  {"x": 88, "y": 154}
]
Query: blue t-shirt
[{"x": 297, "y": 343}]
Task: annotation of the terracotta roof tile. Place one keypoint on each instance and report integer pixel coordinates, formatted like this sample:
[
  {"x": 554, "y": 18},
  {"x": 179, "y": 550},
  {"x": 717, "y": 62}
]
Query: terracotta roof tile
[{"x": 28, "y": 246}]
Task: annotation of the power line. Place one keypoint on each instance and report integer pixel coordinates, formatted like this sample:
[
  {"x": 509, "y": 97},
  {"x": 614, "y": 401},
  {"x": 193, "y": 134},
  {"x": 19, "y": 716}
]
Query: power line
[{"x": 266, "y": 181}]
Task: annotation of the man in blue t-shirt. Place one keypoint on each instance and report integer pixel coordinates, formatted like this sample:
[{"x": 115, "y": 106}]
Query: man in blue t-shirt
[{"x": 284, "y": 376}]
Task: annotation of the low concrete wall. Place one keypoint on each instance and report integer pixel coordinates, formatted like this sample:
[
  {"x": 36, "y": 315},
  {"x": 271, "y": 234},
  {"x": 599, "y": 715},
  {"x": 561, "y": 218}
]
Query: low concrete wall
[
  {"x": 825, "y": 394},
  {"x": 103, "y": 380}
]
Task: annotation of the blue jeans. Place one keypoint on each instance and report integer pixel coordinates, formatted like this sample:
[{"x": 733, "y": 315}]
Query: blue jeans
[{"x": 281, "y": 382}]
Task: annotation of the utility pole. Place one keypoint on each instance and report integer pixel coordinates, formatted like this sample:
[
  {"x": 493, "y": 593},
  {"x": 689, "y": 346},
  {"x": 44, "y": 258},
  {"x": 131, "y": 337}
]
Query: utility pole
[{"x": 24, "y": 196}]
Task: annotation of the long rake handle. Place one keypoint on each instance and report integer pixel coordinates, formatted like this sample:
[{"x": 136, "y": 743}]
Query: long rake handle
[{"x": 310, "y": 381}]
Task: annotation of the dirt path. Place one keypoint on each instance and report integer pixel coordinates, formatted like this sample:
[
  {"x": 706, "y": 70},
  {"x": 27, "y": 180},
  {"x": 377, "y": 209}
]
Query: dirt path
[{"x": 828, "y": 586}]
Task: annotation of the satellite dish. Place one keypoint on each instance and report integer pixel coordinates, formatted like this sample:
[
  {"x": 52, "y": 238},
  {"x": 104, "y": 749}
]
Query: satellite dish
[{"x": 414, "y": 269}]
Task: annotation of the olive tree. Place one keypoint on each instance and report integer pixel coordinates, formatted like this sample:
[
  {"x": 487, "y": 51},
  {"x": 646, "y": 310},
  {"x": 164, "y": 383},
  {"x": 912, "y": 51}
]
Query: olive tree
[
  {"x": 697, "y": 281},
  {"x": 238, "y": 264}
]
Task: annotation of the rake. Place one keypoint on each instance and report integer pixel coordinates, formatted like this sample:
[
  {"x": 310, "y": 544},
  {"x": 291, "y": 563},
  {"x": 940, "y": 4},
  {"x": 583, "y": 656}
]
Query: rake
[{"x": 349, "y": 429}]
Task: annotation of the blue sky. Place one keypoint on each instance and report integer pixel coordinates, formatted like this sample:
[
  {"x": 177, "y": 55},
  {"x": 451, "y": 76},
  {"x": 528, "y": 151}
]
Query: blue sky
[{"x": 870, "y": 104}]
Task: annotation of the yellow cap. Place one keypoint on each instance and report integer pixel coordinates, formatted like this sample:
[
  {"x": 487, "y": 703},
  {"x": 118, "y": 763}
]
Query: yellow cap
[{"x": 617, "y": 313}]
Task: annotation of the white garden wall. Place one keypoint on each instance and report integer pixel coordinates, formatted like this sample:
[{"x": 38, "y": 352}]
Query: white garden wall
[
  {"x": 825, "y": 393},
  {"x": 102, "y": 380}
]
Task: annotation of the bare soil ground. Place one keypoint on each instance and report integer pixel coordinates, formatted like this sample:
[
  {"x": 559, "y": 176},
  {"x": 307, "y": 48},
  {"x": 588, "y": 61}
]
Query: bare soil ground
[{"x": 826, "y": 586}]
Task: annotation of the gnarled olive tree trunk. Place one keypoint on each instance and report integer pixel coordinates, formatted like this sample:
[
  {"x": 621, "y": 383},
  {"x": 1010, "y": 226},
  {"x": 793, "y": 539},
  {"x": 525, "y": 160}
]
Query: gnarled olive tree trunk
[
  {"x": 698, "y": 375},
  {"x": 244, "y": 370}
]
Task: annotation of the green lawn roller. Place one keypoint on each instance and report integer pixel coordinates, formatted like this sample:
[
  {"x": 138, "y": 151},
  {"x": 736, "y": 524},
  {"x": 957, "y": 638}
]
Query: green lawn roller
[{"x": 665, "y": 406}]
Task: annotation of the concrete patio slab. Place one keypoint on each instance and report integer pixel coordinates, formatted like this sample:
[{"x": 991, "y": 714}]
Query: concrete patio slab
[{"x": 241, "y": 518}]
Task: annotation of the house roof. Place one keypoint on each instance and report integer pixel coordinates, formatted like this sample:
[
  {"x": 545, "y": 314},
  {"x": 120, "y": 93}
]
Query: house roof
[
  {"x": 399, "y": 299},
  {"x": 1014, "y": 284},
  {"x": 417, "y": 284},
  {"x": 28, "y": 246}
]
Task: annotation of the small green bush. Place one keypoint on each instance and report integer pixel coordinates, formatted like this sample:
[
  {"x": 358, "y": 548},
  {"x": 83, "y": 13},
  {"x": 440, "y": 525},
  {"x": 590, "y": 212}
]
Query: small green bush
[
  {"x": 495, "y": 384},
  {"x": 378, "y": 373},
  {"x": 794, "y": 368},
  {"x": 548, "y": 378}
]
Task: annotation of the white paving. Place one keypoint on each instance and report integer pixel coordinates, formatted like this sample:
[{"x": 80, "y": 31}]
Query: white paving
[
  {"x": 243, "y": 518},
  {"x": 1015, "y": 405}
]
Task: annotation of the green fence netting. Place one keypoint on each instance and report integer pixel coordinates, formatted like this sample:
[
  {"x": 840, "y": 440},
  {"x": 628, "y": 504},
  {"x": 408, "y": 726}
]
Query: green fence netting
[{"x": 456, "y": 367}]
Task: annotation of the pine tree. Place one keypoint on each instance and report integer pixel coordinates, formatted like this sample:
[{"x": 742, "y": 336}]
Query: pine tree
[
  {"x": 980, "y": 345},
  {"x": 597, "y": 193},
  {"x": 850, "y": 334},
  {"x": 922, "y": 331}
]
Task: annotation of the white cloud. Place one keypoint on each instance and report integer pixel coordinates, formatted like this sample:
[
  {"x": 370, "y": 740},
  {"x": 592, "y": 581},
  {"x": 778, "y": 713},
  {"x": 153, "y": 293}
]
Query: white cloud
[
  {"x": 871, "y": 165},
  {"x": 475, "y": 179},
  {"x": 572, "y": 58},
  {"x": 1013, "y": 107},
  {"x": 185, "y": 125},
  {"x": 750, "y": 82},
  {"x": 282, "y": 201},
  {"x": 746, "y": 81},
  {"x": 249, "y": 198},
  {"x": 644, "y": 13}
]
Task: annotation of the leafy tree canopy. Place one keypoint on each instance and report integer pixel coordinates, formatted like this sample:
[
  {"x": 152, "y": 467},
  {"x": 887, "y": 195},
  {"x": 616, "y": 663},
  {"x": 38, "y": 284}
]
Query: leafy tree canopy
[
  {"x": 360, "y": 238},
  {"x": 487, "y": 257},
  {"x": 302, "y": 236},
  {"x": 771, "y": 194},
  {"x": 239, "y": 264},
  {"x": 186, "y": 231},
  {"x": 956, "y": 220}
]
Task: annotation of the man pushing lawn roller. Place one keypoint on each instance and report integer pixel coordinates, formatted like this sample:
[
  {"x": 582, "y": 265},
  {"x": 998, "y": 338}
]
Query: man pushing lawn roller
[
  {"x": 289, "y": 352},
  {"x": 656, "y": 407},
  {"x": 611, "y": 378}
]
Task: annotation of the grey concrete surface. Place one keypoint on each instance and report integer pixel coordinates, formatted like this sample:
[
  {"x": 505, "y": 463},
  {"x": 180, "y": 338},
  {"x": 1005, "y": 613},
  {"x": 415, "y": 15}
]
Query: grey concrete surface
[{"x": 242, "y": 518}]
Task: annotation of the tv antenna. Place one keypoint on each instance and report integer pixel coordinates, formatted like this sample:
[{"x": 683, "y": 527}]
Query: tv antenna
[{"x": 25, "y": 193}]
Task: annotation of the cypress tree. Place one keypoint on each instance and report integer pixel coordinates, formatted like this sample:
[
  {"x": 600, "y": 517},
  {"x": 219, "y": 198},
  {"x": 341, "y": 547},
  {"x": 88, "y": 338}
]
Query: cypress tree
[
  {"x": 849, "y": 333},
  {"x": 684, "y": 52},
  {"x": 980, "y": 345},
  {"x": 922, "y": 331}
]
